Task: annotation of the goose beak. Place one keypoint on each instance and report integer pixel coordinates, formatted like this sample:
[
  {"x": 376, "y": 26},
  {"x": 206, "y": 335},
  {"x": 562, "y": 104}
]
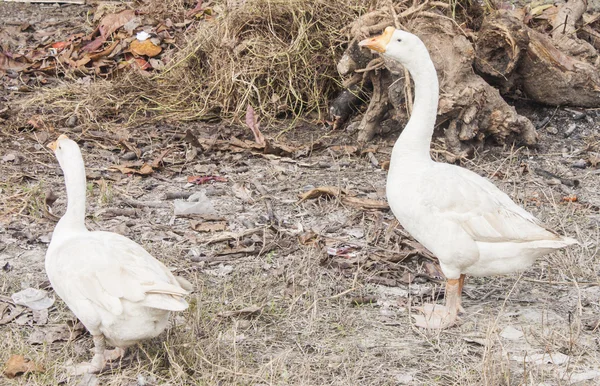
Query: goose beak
[
  {"x": 379, "y": 43},
  {"x": 53, "y": 145}
]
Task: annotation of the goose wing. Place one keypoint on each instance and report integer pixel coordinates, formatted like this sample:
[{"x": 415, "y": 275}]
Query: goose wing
[
  {"x": 485, "y": 212},
  {"x": 106, "y": 268}
]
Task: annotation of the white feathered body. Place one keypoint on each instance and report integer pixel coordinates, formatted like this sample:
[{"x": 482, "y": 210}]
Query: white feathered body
[
  {"x": 466, "y": 221},
  {"x": 112, "y": 284}
]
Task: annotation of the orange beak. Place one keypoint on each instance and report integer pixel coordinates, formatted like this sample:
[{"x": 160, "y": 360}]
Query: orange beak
[
  {"x": 54, "y": 145},
  {"x": 379, "y": 43}
]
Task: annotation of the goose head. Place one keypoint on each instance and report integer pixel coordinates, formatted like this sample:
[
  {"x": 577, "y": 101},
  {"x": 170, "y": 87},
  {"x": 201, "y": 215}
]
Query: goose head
[
  {"x": 399, "y": 45},
  {"x": 66, "y": 150}
]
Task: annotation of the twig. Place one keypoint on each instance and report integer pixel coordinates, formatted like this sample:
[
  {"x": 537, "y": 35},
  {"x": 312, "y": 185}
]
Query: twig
[
  {"x": 143, "y": 204},
  {"x": 234, "y": 236},
  {"x": 268, "y": 203}
]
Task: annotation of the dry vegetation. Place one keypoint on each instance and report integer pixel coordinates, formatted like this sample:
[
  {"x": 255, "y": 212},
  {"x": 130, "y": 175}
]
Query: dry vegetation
[
  {"x": 245, "y": 55},
  {"x": 280, "y": 300}
]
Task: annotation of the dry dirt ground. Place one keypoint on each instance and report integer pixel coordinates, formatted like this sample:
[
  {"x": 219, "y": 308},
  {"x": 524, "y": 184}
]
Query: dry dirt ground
[{"x": 317, "y": 292}]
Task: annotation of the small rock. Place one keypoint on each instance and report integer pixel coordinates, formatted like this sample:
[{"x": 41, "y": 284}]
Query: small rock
[
  {"x": 220, "y": 271},
  {"x": 552, "y": 130},
  {"x": 404, "y": 379},
  {"x": 570, "y": 130},
  {"x": 579, "y": 164},
  {"x": 353, "y": 127},
  {"x": 71, "y": 121},
  {"x": 544, "y": 121},
  {"x": 511, "y": 333},
  {"x": 198, "y": 203},
  {"x": 9, "y": 157}
]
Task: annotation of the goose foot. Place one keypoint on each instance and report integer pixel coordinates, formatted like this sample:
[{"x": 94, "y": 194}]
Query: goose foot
[
  {"x": 435, "y": 316},
  {"x": 95, "y": 366},
  {"x": 113, "y": 355},
  {"x": 439, "y": 317},
  {"x": 100, "y": 360}
]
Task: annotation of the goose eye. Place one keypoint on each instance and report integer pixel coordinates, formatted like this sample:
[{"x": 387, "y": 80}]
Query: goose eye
[{"x": 399, "y": 40}]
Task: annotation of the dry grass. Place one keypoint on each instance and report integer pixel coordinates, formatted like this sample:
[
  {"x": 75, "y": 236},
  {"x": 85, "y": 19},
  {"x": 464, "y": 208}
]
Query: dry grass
[
  {"x": 308, "y": 332},
  {"x": 277, "y": 56}
]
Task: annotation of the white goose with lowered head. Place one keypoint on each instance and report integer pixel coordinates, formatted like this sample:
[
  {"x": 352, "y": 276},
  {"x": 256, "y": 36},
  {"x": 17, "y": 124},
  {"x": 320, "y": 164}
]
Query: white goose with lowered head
[
  {"x": 119, "y": 291},
  {"x": 462, "y": 218}
]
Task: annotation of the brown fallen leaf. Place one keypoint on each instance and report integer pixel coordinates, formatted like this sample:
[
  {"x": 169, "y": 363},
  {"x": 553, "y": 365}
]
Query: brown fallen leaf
[
  {"x": 144, "y": 170},
  {"x": 55, "y": 333},
  {"x": 233, "y": 251},
  {"x": 38, "y": 122},
  {"x": 105, "y": 52},
  {"x": 433, "y": 270},
  {"x": 206, "y": 226},
  {"x": 109, "y": 24},
  {"x": 8, "y": 63},
  {"x": 344, "y": 149},
  {"x": 196, "y": 9},
  {"x": 307, "y": 237},
  {"x": 141, "y": 63},
  {"x": 365, "y": 203},
  {"x": 146, "y": 47},
  {"x": 199, "y": 180},
  {"x": 19, "y": 365},
  {"x": 112, "y": 22},
  {"x": 131, "y": 147},
  {"x": 158, "y": 161},
  {"x": 332, "y": 191}
]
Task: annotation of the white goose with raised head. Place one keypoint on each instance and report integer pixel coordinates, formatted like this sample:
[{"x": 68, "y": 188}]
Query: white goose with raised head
[
  {"x": 119, "y": 291},
  {"x": 462, "y": 218}
]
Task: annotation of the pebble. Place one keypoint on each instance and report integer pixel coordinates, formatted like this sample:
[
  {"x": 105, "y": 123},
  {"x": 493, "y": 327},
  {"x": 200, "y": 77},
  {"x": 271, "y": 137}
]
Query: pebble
[
  {"x": 71, "y": 121},
  {"x": 552, "y": 130},
  {"x": 543, "y": 122},
  {"x": 580, "y": 164},
  {"x": 570, "y": 130}
]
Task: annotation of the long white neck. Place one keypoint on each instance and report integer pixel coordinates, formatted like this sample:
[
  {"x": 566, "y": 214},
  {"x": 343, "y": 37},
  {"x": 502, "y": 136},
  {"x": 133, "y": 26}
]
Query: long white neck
[
  {"x": 415, "y": 140},
  {"x": 74, "y": 217}
]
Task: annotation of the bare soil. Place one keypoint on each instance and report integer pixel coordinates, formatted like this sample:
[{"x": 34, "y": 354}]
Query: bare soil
[{"x": 315, "y": 292}]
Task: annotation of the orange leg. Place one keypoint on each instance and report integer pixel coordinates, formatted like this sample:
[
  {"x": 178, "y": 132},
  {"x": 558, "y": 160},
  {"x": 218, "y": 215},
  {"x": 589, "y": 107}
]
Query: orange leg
[{"x": 439, "y": 317}]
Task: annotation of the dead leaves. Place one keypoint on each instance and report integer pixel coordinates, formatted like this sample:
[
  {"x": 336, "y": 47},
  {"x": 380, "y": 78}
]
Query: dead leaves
[
  {"x": 332, "y": 191},
  {"x": 143, "y": 170},
  {"x": 144, "y": 48},
  {"x": 18, "y": 365},
  {"x": 200, "y": 180},
  {"x": 208, "y": 226},
  {"x": 111, "y": 46},
  {"x": 8, "y": 63},
  {"x": 55, "y": 333}
]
